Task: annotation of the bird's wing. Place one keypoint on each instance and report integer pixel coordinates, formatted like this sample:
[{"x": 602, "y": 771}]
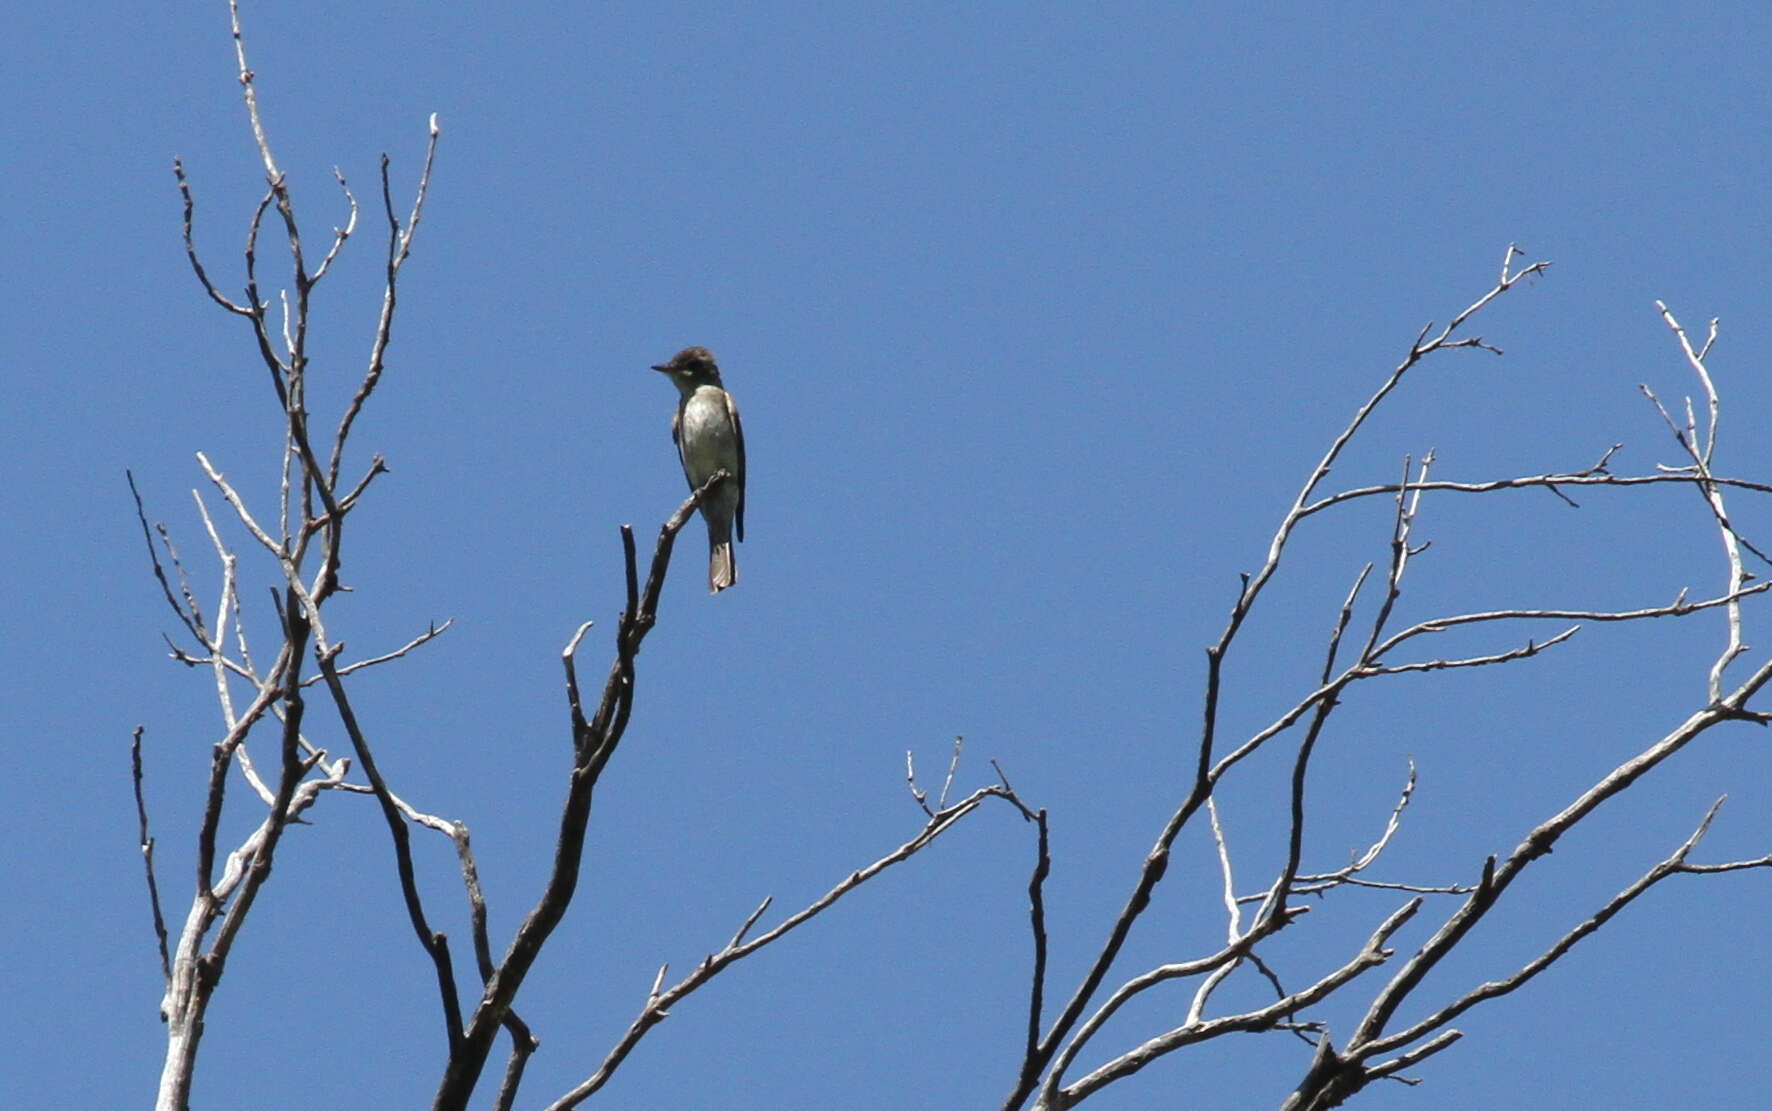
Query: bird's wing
[
  {"x": 677, "y": 438},
  {"x": 738, "y": 434}
]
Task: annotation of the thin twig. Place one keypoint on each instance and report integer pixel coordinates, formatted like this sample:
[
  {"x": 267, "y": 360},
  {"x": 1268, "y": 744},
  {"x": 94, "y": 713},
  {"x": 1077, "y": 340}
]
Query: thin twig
[
  {"x": 431, "y": 633},
  {"x": 659, "y": 1003},
  {"x": 147, "y": 847},
  {"x": 160, "y": 572}
]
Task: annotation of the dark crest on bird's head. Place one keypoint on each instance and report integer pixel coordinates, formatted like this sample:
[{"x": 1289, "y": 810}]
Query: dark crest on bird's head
[{"x": 692, "y": 361}]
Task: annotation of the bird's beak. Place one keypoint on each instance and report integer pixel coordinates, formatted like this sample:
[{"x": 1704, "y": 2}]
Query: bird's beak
[{"x": 666, "y": 368}]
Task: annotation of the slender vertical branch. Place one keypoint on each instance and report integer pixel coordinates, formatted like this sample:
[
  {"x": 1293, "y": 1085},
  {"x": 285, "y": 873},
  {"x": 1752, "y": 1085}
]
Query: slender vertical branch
[
  {"x": 147, "y": 847},
  {"x": 1036, "y": 926},
  {"x": 1700, "y": 448},
  {"x": 434, "y": 942},
  {"x": 399, "y": 248},
  {"x": 595, "y": 742}
]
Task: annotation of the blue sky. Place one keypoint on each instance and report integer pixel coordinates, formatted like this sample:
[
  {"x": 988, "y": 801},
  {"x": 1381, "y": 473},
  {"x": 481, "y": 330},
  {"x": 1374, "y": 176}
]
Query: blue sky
[{"x": 1038, "y": 315}]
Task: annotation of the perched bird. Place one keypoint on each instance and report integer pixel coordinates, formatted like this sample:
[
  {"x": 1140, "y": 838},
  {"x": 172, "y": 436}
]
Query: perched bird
[{"x": 709, "y": 438}]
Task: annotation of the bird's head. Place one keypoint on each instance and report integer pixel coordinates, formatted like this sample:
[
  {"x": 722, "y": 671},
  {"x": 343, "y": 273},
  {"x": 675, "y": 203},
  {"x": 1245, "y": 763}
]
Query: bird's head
[{"x": 692, "y": 366}]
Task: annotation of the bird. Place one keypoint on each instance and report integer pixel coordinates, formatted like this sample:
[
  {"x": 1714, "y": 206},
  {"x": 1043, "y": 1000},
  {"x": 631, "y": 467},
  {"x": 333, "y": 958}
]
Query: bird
[{"x": 709, "y": 438}]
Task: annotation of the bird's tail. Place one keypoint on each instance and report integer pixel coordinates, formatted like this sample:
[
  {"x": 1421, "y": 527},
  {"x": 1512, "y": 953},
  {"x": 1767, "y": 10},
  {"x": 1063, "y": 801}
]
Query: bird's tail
[{"x": 722, "y": 567}]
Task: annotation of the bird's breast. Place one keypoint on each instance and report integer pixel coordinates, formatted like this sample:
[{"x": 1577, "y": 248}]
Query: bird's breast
[{"x": 707, "y": 437}]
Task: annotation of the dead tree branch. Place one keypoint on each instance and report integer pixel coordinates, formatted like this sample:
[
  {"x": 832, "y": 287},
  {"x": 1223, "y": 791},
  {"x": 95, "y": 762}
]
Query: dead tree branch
[{"x": 1374, "y": 1051}]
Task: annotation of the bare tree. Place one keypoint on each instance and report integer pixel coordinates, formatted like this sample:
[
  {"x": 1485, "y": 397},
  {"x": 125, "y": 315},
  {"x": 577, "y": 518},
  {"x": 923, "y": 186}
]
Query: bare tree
[
  {"x": 1377, "y": 1048},
  {"x": 305, "y": 539},
  {"x": 263, "y": 696}
]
